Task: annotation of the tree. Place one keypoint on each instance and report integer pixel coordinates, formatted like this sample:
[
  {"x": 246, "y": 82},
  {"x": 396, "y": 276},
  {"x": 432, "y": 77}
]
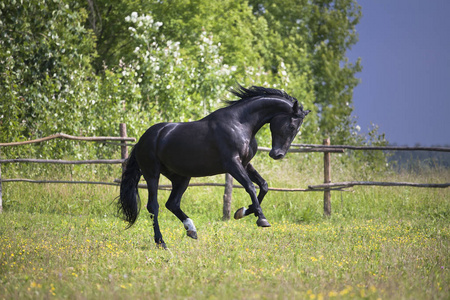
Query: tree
[
  {"x": 324, "y": 29},
  {"x": 107, "y": 21},
  {"x": 78, "y": 67},
  {"x": 45, "y": 67}
]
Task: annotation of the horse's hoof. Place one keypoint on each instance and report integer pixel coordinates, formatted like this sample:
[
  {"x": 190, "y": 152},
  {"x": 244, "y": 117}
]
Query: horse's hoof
[
  {"x": 192, "y": 234},
  {"x": 161, "y": 246},
  {"x": 262, "y": 223},
  {"x": 240, "y": 213}
]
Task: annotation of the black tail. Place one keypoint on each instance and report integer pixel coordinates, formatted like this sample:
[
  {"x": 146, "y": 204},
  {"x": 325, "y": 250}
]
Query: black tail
[{"x": 129, "y": 203}]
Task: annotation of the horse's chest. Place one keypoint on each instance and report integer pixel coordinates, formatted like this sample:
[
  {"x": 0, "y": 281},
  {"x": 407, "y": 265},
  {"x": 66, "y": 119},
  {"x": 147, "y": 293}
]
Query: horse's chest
[{"x": 248, "y": 151}]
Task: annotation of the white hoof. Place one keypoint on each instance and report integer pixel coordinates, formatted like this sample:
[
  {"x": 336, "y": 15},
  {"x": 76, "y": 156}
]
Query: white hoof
[{"x": 240, "y": 213}]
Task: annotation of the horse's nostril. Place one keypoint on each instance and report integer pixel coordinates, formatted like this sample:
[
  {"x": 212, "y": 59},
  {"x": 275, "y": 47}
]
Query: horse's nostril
[{"x": 276, "y": 154}]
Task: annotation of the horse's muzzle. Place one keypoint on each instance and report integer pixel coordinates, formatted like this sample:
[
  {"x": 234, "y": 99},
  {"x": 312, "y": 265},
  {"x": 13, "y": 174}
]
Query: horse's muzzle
[{"x": 277, "y": 154}]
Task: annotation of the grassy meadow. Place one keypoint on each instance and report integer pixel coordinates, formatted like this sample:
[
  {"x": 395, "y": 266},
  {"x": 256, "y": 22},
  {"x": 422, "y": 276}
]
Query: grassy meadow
[{"x": 64, "y": 241}]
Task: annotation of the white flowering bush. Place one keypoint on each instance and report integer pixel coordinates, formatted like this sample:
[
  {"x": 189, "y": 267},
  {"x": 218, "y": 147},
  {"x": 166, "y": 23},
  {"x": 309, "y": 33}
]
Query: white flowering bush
[{"x": 175, "y": 85}]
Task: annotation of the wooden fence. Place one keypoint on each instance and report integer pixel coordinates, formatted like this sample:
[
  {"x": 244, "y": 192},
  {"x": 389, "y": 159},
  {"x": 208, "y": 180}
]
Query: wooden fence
[{"x": 325, "y": 148}]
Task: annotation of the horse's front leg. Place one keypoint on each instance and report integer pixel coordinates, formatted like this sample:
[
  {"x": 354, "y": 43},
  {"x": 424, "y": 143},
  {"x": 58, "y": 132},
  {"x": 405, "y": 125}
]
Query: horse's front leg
[
  {"x": 263, "y": 189},
  {"x": 240, "y": 174}
]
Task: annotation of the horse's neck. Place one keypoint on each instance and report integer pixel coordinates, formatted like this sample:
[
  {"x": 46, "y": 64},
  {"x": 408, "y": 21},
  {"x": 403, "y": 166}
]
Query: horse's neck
[{"x": 258, "y": 112}]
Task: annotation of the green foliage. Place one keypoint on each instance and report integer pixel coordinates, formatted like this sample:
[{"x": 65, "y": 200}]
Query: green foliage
[
  {"x": 45, "y": 82},
  {"x": 312, "y": 37},
  {"x": 83, "y": 67},
  {"x": 333, "y": 24},
  {"x": 106, "y": 19},
  {"x": 374, "y": 160},
  {"x": 45, "y": 64}
]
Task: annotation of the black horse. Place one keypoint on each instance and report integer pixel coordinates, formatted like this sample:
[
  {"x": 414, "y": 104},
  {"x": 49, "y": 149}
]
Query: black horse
[{"x": 222, "y": 142}]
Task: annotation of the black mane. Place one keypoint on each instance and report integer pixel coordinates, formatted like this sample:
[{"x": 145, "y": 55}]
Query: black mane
[{"x": 256, "y": 91}]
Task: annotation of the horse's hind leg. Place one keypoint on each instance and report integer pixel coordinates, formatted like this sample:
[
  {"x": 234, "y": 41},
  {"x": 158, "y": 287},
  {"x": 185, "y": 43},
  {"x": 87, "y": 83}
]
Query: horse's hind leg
[
  {"x": 179, "y": 186},
  {"x": 263, "y": 189},
  {"x": 153, "y": 208}
]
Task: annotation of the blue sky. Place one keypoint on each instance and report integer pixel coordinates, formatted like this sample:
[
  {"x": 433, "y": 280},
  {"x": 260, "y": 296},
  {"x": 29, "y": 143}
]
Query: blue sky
[{"x": 405, "y": 82}]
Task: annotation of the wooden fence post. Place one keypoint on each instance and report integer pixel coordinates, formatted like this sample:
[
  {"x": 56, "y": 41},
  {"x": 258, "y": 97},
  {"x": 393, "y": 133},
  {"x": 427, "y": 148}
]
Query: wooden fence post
[
  {"x": 227, "y": 197},
  {"x": 123, "y": 148},
  {"x": 1, "y": 199},
  {"x": 326, "y": 179}
]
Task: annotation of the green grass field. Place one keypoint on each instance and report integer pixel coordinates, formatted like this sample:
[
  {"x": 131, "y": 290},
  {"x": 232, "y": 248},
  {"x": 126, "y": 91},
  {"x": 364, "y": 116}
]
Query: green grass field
[{"x": 64, "y": 241}]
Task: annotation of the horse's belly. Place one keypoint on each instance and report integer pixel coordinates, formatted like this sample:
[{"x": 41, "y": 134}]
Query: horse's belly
[{"x": 192, "y": 163}]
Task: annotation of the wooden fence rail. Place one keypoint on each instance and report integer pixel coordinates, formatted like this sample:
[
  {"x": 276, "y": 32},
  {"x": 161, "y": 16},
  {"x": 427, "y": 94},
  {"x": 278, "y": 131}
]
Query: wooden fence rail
[
  {"x": 325, "y": 148},
  {"x": 377, "y": 183},
  {"x": 64, "y": 162},
  {"x": 71, "y": 137},
  {"x": 384, "y": 148}
]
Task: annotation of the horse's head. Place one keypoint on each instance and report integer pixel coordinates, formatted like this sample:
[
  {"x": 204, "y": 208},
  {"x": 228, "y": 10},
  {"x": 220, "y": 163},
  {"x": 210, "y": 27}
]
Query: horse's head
[{"x": 284, "y": 128}]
